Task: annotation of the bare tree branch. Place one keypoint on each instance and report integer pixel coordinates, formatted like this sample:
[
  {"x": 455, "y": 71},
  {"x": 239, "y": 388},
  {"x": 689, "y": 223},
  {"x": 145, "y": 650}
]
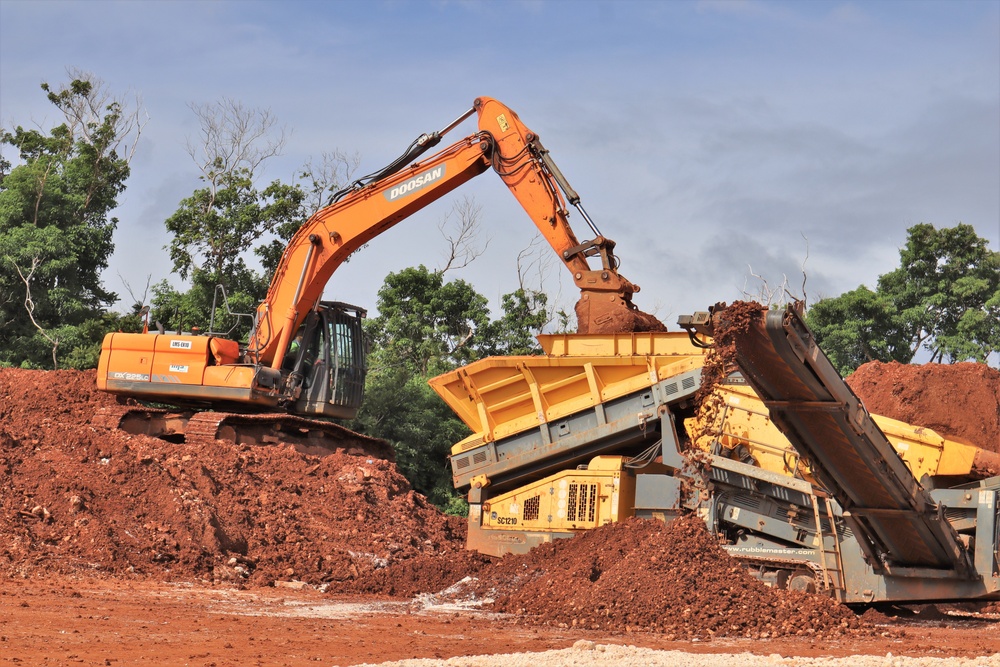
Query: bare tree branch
[
  {"x": 768, "y": 296},
  {"x": 463, "y": 237},
  {"x": 29, "y": 305},
  {"x": 97, "y": 118},
  {"x": 334, "y": 171},
  {"x": 534, "y": 267},
  {"x": 233, "y": 138},
  {"x": 461, "y": 343},
  {"x": 765, "y": 294},
  {"x": 805, "y": 276},
  {"x": 84, "y": 114},
  {"x": 140, "y": 302}
]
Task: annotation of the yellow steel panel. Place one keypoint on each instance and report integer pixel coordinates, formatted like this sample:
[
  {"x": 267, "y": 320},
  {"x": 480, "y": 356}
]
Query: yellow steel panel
[
  {"x": 743, "y": 420},
  {"x": 568, "y": 500},
  {"x": 501, "y": 396},
  {"x": 608, "y": 345}
]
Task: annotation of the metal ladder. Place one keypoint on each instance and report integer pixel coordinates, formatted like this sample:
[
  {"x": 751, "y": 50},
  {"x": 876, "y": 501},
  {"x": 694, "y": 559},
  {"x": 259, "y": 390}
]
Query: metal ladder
[{"x": 832, "y": 581}]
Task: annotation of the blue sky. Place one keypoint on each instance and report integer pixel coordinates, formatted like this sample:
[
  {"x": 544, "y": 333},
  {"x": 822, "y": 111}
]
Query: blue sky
[{"x": 711, "y": 140}]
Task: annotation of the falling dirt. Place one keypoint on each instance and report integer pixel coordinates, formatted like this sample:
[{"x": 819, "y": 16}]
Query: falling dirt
[
  {"x": 728, "y": 323},
  {"x": 958, "y": 401}
]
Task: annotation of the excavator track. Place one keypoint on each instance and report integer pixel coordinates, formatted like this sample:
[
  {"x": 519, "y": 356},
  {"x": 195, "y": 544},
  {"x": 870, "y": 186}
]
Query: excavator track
[{"x": 309, "y": 436}]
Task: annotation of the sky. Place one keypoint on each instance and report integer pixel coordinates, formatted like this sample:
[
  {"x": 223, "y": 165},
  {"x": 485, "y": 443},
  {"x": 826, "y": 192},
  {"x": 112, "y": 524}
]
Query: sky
[{"x": 728, "y": 147}]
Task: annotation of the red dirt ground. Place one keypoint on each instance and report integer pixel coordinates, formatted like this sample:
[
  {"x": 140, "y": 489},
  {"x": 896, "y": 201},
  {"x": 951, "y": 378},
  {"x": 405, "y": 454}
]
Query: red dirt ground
[
  {"x": 93, "y": 521},
  {"x": 59, "y": 620}
]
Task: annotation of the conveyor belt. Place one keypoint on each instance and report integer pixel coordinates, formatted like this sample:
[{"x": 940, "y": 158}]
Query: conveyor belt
[{"x": 900, "y": 524}]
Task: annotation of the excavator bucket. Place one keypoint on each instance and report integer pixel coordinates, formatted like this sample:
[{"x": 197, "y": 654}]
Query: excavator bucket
[{"x": 609, "y": 313}]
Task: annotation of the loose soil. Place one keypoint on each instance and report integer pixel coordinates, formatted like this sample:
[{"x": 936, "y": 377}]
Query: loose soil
[
  {"x": 75, "y": 497},
  {"x": 594, "y": 315},
  {"x": 958, "y": 401},
  {"x": 68, "y": 621},
  {"x": 674, "y": 579},
  {"x": 125, "y": 549}
]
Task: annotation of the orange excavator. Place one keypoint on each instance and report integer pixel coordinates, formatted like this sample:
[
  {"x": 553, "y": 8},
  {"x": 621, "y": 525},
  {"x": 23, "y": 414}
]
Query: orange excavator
[{"x": 306, "y": 357}]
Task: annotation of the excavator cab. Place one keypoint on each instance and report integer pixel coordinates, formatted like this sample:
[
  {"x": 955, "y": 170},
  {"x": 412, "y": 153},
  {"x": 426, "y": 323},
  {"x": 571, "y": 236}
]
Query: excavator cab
[{"x": 326, "y": 375}]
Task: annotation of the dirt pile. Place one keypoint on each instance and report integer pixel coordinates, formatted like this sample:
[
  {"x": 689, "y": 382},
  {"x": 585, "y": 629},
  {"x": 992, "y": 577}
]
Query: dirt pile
[
  {"x": 674, "y": 579},
  {"x": 78, "y": 497},
  {"x": 960, "y": 401},
  {"x": 427, "y": 573}
]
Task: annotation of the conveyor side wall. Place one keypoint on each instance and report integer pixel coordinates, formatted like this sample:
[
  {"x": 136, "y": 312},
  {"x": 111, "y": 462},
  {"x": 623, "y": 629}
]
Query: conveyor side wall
[{"x": 824, "y": 420}]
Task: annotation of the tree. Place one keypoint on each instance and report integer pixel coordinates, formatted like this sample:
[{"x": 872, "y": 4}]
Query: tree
[
  {"x": 525, "y": 314},
  {"x": 217, "y": 226},
  {"x": 402, "y": 409},
  {"x": 858, "y": 327},
  {"x": 461, "y": 229},
  {"x": 425, "y": 327},
  {"x": 222, "y": 224},
  {"x": 321, "y": 179},
  {"x": 425, "y": 324},
  {"x": 526, "y": 311},
  {"x": 943, "y": 298},
  {"x": 55, "y": 223}
]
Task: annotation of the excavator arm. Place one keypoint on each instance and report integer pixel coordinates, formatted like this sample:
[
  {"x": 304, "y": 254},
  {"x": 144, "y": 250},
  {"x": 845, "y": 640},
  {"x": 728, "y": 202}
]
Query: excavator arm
[{"x": 368, "y": 209}]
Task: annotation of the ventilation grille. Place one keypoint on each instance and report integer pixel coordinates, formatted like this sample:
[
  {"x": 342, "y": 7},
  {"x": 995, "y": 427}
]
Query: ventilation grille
[
  {"x": 582, "y": 502},
  {"x": 956, "y": 514},
  {"x": 531, "y": 506},
  {"x": 476, "y": 458}
]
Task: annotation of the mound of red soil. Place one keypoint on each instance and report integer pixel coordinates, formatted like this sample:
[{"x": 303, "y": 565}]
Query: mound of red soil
[
  {"x": 960, "y": 401},
  {"x": 74, "y": 496},
  {"x": 429, "y": 573},
  {"x": 643, "y": 575}
]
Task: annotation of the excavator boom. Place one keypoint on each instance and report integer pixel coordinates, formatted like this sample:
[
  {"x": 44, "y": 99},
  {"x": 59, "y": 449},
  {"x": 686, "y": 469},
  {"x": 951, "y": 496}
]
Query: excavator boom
[
  {"x": 502, "y": 143},
  {"x": 324, "y": 374}
]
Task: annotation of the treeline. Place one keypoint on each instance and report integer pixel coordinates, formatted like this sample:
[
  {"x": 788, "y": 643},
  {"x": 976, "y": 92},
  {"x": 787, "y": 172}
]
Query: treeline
[{"x": 57, "y": 235}]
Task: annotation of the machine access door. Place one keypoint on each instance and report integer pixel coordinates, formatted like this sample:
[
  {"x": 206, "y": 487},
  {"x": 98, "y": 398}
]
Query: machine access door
[{"x": 335, "y": 377}]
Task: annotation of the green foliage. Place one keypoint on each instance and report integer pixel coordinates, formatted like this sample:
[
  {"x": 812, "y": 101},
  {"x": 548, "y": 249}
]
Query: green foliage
[
  {"x": 525, "y": 314},
  {"x": 402, "y": 409},
  {"x": 221, "y": 225},
  {"x": 229, "y": 219},
  {"x": 192, "y": 309},
  {"x": 944, "y": 298},
  {"x": 56, "y": 230},
  {"x": 858, "y": 327},
  {"x": 427, "y": 325},
  {"x": 213, "y": 231}
]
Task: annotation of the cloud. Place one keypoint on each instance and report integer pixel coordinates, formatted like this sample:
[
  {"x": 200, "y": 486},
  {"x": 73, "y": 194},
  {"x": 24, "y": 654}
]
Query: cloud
[{"x": 702, "y": 137}]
